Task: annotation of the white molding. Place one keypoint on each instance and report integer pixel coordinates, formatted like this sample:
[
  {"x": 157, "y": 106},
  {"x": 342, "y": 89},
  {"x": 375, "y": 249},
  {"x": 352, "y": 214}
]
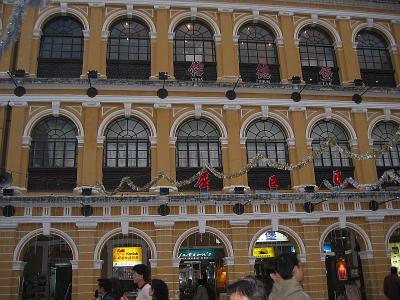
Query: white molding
[
  {"x": 18, "y": 265},
  {"x": 380, "y": 28},
  {"x": 199, "y": 15},
  {"x": 324, "y": 24},
  {"x": 367, "y": 254},
  {"x": 153, "y": 262},
  {"x": 163, "y": 224},
  {"x": 98, "y": 264},
  {"x": 124, "y": 12},
  {"x": 381, "y": 118},
  {"x": 239, "y": 223},
  {"x": 229, "y": 260},
  {"x": 48, "y": 14}
]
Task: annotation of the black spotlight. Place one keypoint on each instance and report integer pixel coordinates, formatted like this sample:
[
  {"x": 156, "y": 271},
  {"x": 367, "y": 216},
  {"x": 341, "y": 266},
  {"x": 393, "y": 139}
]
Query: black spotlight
[
  {"x": 296, "y": 80},
  {"x": 231, "y": 94},
  {"x": 357, "y": 98},
  {"x": 8, "y": 211},
  {"x": 5, "y": 179},
  {"x": 309, "y": 188},
  {"x": 164, "y": 191},
  {"x": 8, "y": 192},
  {"x": 238, "y": 189},
  {"x": 162, "y": 93},
  {"x": 358, "y": 82},
  {"x": 86, "y": 191},
  {"x": 308, "y": 207},
  {"x": 19, "y": 90},
  {"x": 92, "y": 91},
  {"x": 296, "y": 96},
  {"x": 163, "y": 210},
  {"x": 238, "y": 208},
  {"x": 373, "y": 205},
  {"x": 93, "y": 74},
  {"x": 86, "y": 210}
]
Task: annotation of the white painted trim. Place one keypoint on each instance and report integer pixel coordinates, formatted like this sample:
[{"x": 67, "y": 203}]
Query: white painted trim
[
  {"x": 325, "y": 25},
  {"x": 25, "y": 239},
  {"x": 355, "y": 227},
  {"x": 342, "y": 121},
  {"x": 389, "y": 233},
  {"x": 281, "y": 228},
  {"x": 49, "y": 113},
  {"x": 187, "y": 15},
  {"x": 135, "y": 13},
  {"x": 225, "y": 240},
  {"x": 105, "y": 238},
  {"x": 378, "y": 119},
  {"x": 381, "y": 29},
  {"x": 269, "y": 22},
  {"x": 192, "y": 114},
  {"x": 121, "y": 114},
  {"x": 273, "y": 116},
  {"x": 48, "y": 14}
]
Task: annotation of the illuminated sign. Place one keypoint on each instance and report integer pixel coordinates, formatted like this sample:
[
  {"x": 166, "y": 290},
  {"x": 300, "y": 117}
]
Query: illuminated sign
[
  {"x": 196, "y": 254},
  {"x": 127, "y": 256},
  {"x": 263, "y": 252},
  {"x": 272, "y": 236}
]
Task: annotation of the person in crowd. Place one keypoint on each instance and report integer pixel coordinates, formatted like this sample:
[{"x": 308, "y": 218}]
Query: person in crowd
[
  {"x": 105, "y": 289},
  {"x": 391, "y": 285},
  {"x": 201, "y": 291},
  {"x": 141, "y": 278},
  {"x": 117, "y": 289},
  {"x": 291, "y": 272},
  {"x": 247, "y": 288},
  {"x": 159, "y": 290},
  {"x": 188, "y": 290}
]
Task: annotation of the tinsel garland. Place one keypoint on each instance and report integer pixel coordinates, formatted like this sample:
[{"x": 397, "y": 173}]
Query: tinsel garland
[
  {"x": 389, "y": 174},
  {"x": 13, "y": 28}
]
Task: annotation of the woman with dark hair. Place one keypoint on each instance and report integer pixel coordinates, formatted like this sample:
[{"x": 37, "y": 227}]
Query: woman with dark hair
[
  {"x": 159, "y": 290},
  {"x": 247, "y": 288},
  {"x": 117, "y": 289}
]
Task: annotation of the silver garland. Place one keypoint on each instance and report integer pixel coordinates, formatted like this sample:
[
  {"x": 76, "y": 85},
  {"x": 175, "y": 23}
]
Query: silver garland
[{"x": 13, "y": 28}]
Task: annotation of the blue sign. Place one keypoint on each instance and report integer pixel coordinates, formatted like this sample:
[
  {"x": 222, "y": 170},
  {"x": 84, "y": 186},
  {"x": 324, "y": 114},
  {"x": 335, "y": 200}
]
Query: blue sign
[{"x": 196, "y": 254}]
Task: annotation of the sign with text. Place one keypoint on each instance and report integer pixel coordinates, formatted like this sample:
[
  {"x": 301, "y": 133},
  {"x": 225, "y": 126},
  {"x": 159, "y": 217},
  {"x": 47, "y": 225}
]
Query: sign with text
[
  {"x": 196, "y": 254},
  {"x": 127, "y": 256},
  {"x": 263, "y": 252}
]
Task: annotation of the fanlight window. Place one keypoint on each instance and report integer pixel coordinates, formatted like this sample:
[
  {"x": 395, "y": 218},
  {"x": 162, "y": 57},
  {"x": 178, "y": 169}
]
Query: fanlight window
[
  {"x": 374, "y": 59},
  {"x": 267, "y": 138},
  {"x": 53, "y": 144},
  {"x": 382, "y": 134},
  {"x": 127, "y": 144},
  {"x": 323, "y": 131},
  {"x": 198, "y": 144}
]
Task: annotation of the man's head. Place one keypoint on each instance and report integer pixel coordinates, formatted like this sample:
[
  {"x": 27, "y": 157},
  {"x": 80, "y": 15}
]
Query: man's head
[
  {"x": 247, "y": 288},
  {"x": 393, "y": 270},
  {"x": 140, "y": 272},
  {"x": 104, "y": 286},
  {"x": 288, "y": 266}
]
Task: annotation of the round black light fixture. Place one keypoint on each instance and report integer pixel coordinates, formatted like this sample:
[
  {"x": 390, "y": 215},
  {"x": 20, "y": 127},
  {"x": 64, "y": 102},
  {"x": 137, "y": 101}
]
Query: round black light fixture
[
  {"x": 8, "y": 211},
  {"x": 230, "y": 94},
  {"x": 162, "y": 93},
  {"x": 91, "y": 92},
  {"x": 357, "y": 98},
  {"x": 238, "y": 208},
  {"x": 86, "y": 210},
  {"x": 308, "y": 207},
  {"x": 296, "y": 96},
  {"x": 19, "y": 91},
  {"x": 163, "y": 210},
  {"x": 5, "y": 179},
  {"x": 373, "y": 205}
]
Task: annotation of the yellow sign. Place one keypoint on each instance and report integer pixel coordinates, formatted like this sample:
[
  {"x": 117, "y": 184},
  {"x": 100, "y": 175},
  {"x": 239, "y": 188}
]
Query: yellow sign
[
  {"x": 263, "y": 252},
  {"x": 127, "y": 256}
]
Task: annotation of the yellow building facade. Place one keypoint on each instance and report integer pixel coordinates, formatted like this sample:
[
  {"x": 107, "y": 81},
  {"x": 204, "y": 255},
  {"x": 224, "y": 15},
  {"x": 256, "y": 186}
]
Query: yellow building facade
[{"x": 196, "y": 124}]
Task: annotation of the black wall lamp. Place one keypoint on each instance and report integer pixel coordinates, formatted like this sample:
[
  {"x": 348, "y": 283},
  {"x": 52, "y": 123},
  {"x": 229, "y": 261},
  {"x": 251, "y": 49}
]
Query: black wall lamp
[
  {"x": 19, "y": 90},
  {"x": 86, "y": 210},
  {"x": 238, "y": 208},
  {"x": 231, "y": 94},
  {"x": 374, "y": 205},
  {"x": 357, "y": 98},
  {"x": 162, "y": 93},
  {"x": 163, "y": 210},
  {"x": 295, "y": 80},
  {"x": 309, "y": 206},
  {"x": 296, "y": 96},
  {"x": 8, "y": 211},
  {"x": 92, "y": 91}
]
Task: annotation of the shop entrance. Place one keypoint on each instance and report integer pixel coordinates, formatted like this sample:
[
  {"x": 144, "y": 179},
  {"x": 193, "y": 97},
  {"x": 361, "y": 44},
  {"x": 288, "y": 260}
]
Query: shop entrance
[
  {"x": 268, "y": 246},
  {"x": 48, "y": 272},
  {"x": 394, "y": 245},
  {"x": 201, "y": 264},
  {"x": 343, "y": 265}
]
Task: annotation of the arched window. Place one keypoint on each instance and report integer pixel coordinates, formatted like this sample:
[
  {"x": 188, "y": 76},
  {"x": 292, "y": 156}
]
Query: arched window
[
  {"x": 267, "y": 138},
  {"x": 61, "y": 49},
  {"x": 128, "y": 50},
  {"x": 382, "y": 134},
  {"x": 258, "y": 58},
  {"x": 197, "y": 145},
  {"x": 53, "y": 155},
  {"x": 194, "y": 52},
  {"x": 374, "y": 59},
  {"x": 331, "y": 158},
  {"x": 317, "y": 55},
  {"x": 126, "y": 152}
]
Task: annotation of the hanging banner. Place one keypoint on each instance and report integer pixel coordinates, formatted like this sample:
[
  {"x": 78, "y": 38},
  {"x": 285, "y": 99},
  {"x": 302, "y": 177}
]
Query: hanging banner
[
  {"x": 263, "y": 252},
  {"x": 127, "y": 256}
]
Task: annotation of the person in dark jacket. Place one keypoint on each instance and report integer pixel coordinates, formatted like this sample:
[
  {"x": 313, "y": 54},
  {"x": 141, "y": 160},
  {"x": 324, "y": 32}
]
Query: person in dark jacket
[
  {"x": 159, "y": 290},
  {"x": 391, "y": 285},
  {"x": 105, "y": 289}
]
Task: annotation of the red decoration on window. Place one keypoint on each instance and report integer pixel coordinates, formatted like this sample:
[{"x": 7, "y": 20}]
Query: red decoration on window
[
  {"x": 337, "y": 177},
  {"x": 196, "y": 69},
  {"x": 341, "y": 269},
  {"x": 204, "y": 181},
  {"x": 263, "y": 72},
  {"x": 273, "y": 182},
  {"x": 326, "y": 74}
]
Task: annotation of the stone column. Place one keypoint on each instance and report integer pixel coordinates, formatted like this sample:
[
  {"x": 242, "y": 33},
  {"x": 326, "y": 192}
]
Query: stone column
[
  {"x": 240, "y": 244},
  {"x": 365, "y": 170},
  {"x": 346, "y": 53},
  {"x": 86, "y": 56},
  {"x": 291, "y": 50},
  {"x": 394, "y": 53},
  {"x": 236, "y": 159},
  {"x": 6, "y": 59},
  {"x": 230, "y": 61},
  {"x": 25, "y": 48},
  {"x": 94, "y": 41}
]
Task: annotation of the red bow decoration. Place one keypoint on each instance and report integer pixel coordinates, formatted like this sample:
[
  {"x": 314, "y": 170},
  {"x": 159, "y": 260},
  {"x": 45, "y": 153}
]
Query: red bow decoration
[
  {"x": 204, "y": 181},
  {"x": 337, "y": 177},
  {"x": 273, "y": 182}
]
